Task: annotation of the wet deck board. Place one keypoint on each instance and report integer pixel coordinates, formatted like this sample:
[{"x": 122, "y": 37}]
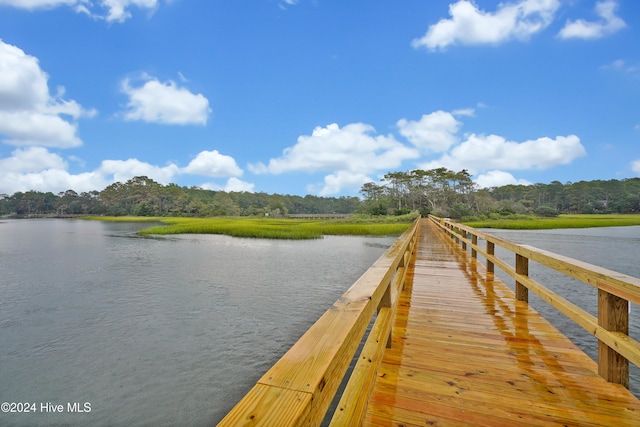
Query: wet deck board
[{"x": 466, "y": 353}]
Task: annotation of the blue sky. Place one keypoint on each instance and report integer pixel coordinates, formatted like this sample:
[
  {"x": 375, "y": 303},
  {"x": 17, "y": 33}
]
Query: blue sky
[{"x": 316, "y": 96}]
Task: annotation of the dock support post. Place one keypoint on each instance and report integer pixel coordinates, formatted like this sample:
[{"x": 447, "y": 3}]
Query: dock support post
[
  {"x": 613, "y": 315},
  {"x": 522, "y": 267}
]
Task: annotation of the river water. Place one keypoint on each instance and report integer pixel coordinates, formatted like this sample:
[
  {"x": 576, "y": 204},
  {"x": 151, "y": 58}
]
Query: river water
[
  {"x": 166, "y": 331},
  {"x": 174, "y": 331}
]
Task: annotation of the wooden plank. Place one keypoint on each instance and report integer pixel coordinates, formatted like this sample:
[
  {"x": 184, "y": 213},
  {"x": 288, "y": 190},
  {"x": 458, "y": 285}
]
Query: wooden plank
[
  {"x": 504, "y": 377},
  {"x": 537, "y": 385},
  {"x": 465, "y": 352},
  {"x": 456, "y": 403}
]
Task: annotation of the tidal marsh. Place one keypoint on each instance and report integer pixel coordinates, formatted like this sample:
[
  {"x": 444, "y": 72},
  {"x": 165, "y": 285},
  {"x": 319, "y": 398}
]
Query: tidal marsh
[{"x": 273, "y": 228}]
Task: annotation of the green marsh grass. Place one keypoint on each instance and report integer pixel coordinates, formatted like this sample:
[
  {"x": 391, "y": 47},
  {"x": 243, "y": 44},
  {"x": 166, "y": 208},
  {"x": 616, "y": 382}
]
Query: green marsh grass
[
  {"x": 562, "y": 221},
  {"x": 273, "y": 228}
]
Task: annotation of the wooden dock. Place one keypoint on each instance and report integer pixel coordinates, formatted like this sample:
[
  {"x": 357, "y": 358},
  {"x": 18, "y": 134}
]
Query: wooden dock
[
  {"x": 465, "y": 352},
  {"x": 452, "y": 345}
]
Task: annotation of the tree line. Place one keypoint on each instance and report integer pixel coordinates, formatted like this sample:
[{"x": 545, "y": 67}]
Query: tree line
[
  {"x": 454, "y": 194},
  {"x": 439, "y": 191},
  {"x": 142, "y": 196}
]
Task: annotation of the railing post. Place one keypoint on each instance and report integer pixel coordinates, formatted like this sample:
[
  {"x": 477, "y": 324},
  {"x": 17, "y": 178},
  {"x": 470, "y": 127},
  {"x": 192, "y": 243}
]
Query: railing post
[
  {"x": 613, "y": 315},
  {"x": 522, "y": 267},
  {"x": 386, "y": 302},
  {"x": 463, "y": 233},
  {"x": 474, "y": 242},
  {"x": 491, "y": 249}
]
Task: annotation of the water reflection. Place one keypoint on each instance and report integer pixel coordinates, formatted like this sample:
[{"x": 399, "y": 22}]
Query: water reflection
[{"x": 615, "y": 248}]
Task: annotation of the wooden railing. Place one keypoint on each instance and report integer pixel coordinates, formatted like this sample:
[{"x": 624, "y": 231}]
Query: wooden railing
[
  {"x": 300, "y": 387},
  {"x": 615, "y": 292}
]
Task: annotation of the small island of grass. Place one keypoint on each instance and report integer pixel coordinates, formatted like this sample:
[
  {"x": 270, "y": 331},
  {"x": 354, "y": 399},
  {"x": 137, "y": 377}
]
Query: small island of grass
[{"x": 274, "y": 228}]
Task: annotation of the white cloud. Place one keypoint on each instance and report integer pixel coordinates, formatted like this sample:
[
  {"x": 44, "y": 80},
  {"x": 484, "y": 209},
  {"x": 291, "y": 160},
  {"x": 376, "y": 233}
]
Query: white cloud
[
  {"x": 635, "y": 166},
  {"x": 609, "y": 23},
  {"x": 34, "y": 128},
  {"x": 618, "y": 64},
  {"x": 118, "y": 10},
  {"x": 23, "y": 85},
  {"x": 496, "y": 178},
  {"x": 212, "y": 163},
  {"x": 32, "y": 159},
  {"x": 469, "y": 112},
  {"x": 53, "y": 180},
  {"x": 29, "y": 114},
  {"x": 284, "y": 3},
  {"x": 622, "y": 66},
  {"x": 351, "y": 150},
  {"x": 39, "y": 4},
  {"x": 109, "y": 10},
  {"x": 434, "y": 132},
  {"x": 479, "y": 153},
  {"x": 233, "y": 185},
  {"x": 165, "y": 103},
  {"x": 352, "y": 153},
  {"x": 37, "y": 168},
  {"x": 469, "y": 25},
  {"x": 123, "y": 170},
  {"x": 237, "y": 185},
  {"x": 335, "y": 182}
]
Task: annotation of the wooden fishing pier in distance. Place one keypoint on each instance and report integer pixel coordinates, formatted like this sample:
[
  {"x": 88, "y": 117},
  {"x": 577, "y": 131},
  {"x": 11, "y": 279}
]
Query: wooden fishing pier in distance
[{"x": 449, "y": 344}]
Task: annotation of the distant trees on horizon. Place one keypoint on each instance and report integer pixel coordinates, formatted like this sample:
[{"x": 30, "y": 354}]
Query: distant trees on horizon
[
  {"x": 142, "y": 196},
  {"x": 439, "y": 191},
  {"x": 454, "y": 194}
]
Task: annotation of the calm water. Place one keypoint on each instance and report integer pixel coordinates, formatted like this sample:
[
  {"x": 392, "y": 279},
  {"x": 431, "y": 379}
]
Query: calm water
[
  {"x": 174, "y": 331},
  {"x": 170, "y": 331},
  {"x": 615, "y": 248}
]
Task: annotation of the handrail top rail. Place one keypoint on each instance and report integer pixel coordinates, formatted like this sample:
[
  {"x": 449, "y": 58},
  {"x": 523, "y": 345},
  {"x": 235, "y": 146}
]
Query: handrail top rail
[{"x": 619, "y": 284}]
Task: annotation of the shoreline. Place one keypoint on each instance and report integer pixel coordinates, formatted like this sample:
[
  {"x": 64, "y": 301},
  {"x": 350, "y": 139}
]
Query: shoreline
[{"x": 562, "y": 221}]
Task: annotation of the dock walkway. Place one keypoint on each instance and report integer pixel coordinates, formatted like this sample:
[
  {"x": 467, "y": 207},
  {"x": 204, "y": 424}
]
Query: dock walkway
[{"x": 465, "y": 352}]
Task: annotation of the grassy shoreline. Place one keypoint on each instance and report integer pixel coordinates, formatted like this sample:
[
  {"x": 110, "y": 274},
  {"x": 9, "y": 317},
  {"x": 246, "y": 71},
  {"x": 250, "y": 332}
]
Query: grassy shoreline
[
  {"x": 520, "y": 222},
  {"x": 272, "y": 228}
]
